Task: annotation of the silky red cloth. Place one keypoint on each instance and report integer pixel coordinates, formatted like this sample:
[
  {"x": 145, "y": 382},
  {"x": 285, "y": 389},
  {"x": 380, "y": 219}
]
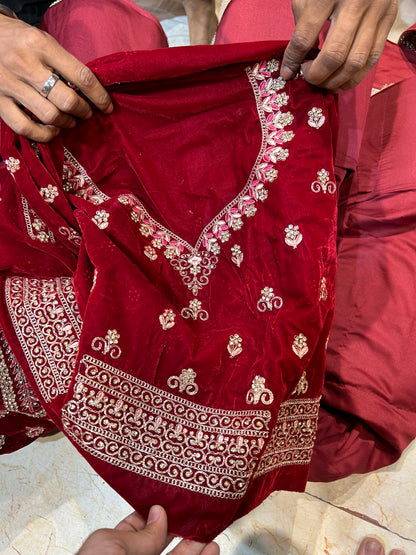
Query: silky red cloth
[{"x": 212, "y": 182}]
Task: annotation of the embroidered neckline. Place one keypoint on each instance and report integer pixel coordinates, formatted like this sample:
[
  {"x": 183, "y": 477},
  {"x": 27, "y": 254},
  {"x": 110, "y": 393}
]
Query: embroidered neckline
[{"x": 195, "y": 263}]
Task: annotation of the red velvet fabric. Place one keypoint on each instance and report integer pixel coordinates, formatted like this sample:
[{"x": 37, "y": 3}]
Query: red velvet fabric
[{"x": 190, "y": 192}]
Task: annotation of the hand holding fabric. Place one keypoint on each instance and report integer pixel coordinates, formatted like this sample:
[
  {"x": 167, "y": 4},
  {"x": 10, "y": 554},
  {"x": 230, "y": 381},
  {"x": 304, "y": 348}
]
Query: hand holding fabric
[
  {"x": 133, "y": 536},
  {"x": 353, "y": 45},
  {"x": 28, "y": 57}
]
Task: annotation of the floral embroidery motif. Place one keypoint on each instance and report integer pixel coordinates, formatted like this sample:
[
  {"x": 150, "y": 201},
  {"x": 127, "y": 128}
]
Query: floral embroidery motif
[
  {"x": 234, "y": 345},
  {"x": 195, "y": 264},
  {"x": 293, "y": 437},
  {"x": 108, "y": 344},
  {"x": 35, "y": 227},
  {"x": 323, "y": 290},
  {"x": 76, "y": 181},
  {"x": 259, "y": 392},
  {"x": 236, "y": 255},
  {"x": 150, "y": 252},
  {"x": 269, "y": 300},
  {"x": 293, "y": 236},
  {"x": 163, "y": 436},
  {"x": 323, "y": 183},
  {"x": 49, "y": 193},
  {"x": 71, "y": 235},
  {"x": 101, "y": 219},
  {"x": 299, "y": 346},
  {"x": 302, "y": 386},
  {"x": 12, "y": 164},
  {"x": 44, "y": 312},
  {"x": 34, "y": 432},
  {"x": 316, "y": 118},
  {"x": 194, "y": 311},
  {"x": 167, "y": 319},
  {"x": 185, "y": 382},
  {"x": 2, "y": 441}
]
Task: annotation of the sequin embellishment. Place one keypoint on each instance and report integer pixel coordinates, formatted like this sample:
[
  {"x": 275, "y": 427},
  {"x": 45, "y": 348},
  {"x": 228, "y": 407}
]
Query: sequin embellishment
[
  {"x": 12, "y": 164},
  {"x": 323, "y": 290},
  {"x": 49, "y": 193},
  {"x": 236, "y": 255},
  {"x": 259, "y": 392},
  {"x": 194, "y": 311},
  {"x": 101, "y": 219},
  {"x": 323, "y": 183},
  {"x": 185, "y": 381},
  {"x": 302, "y": 386},
  {"x": 293, "y": 236},
  {"x": 316, "y": 118},
  {"x": 269, "y": 300},
  {"x": 167, "y": 319},
  {"x": 150, "y": 252},
  {"x": 234, "y": 345},
  {"x": 108, "y": 344},
  {"x": 299, "y": 346}
]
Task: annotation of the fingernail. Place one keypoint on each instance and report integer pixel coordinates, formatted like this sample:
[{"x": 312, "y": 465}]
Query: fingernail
[
  {"x": 57, "y": 132},
  {"x": 89, "y": 115},
  {"x": 397, "y": 552},
  {"x": 154, "y": 514},
  {"x": 72, "y": 124},
  {"x": 109, "y": 109},
  {"x": 286, "y": 73},
  {"x": 372, "y": 548}
]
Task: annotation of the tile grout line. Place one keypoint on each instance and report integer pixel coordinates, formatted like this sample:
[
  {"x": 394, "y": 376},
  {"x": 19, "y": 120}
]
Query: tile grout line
[{"x": 361, "y": 516}]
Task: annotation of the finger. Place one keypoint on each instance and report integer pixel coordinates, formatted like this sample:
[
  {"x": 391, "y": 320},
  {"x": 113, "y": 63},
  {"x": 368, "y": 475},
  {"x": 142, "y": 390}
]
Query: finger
[
  {"x": 152, "y": 539},
  {"x": 336, "y": 50},
  {"x": 132, "y": 523},
  {"x": 65, "y": 98},
  {"x": 370, "y": 546},
  {"x": 78, "y": 74},
  {"x": 41, "y": 107},
  {"x": 373, "y": 58},
  {"x": 304, "y": 36},
  {"x": 211, "y": 549},
  {"x": 189, "y": 547},
  {"x": 21, "y": 123}
]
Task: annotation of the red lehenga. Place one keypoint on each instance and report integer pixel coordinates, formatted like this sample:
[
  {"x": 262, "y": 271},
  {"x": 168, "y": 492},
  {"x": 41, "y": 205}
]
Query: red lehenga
[{"x": 168, "y": 281}]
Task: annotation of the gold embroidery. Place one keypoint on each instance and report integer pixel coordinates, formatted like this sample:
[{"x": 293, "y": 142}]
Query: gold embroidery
[
  {"x": 237, "y": 255},
  {"x": 47, "y": 324},
  {"x": 194, "y": 311},
  {"x": 162, "y": 436},
  {"x": 101, "y": 219},
  {"x": 76, "y": 181},
  {"x": 234, "y": 345},
  {"x": 323, "y": 183},
  {"x": 71, "y": 235},
  {"x": 259, "y": 392},
  {"x": 35, "y": 227},
  {"x": 12, "y": 164},
  {"x": 302, "y": 386},
  {"x": 293, "y": 437},
  {"x": 150, "y": 252},
  {"x": 2, "y": 441},
  {"x": 293, "y": 236},
  {"x": 316, "y": 118},
  {"x": 185, "y": 382},
  {"x": 268, "y": 300},
  {"x": 300, "y": 348},
  {"x": 167, "y": 319},
  {"x": 34, "y": 432},
  {"x": 323, "y": 290},
  {"x": 107, "y": 344},
  {"x": 49, "y": 193}
]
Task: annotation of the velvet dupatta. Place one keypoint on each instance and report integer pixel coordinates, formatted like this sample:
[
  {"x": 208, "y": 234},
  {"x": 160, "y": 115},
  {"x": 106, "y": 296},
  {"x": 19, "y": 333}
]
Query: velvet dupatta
[{"x": 168, "y": 279}]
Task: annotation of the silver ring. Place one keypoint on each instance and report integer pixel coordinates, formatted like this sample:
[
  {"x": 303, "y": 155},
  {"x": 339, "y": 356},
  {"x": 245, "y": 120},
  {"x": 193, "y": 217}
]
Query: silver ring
[{"x": 49, "y": 85}]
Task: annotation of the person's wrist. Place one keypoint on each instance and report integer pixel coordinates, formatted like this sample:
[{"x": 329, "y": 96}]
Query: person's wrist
[{"x": 4, "y": 10}]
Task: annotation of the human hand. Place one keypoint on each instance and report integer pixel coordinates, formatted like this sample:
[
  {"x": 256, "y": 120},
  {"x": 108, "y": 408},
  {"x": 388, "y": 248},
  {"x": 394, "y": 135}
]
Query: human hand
[
  {"x": 28, "y": 57},
  {"x": 353, "y": 45},
  {"x": 133, "y": 536}
]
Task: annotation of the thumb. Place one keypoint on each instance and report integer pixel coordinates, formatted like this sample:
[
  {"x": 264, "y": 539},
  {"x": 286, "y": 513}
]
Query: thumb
[{"x": 153, "y": 539}]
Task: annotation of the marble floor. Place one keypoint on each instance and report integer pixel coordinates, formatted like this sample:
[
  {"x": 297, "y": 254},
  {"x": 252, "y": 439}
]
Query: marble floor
[{"x": 51, "y": 500}]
